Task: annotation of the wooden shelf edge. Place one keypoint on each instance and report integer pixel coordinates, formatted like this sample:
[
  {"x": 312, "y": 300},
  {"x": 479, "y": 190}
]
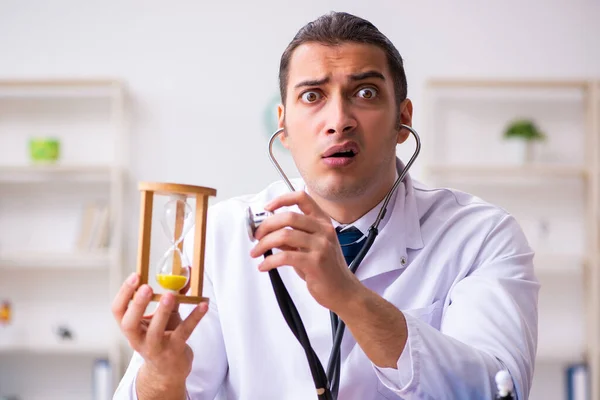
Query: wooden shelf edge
[
  {"x": 563, "y": 354},
  {"x": 23, "y": 175},
  {"x": 506, "y": 83},
  {"x": 59, "y": 82},
  {"x": 77, "y": 260},
  {"x": 508, "y": 171},
  {"x": 55, "y": 348},
  {"x": 58, "y": 168},
  {"x": 547, "y": 264}
]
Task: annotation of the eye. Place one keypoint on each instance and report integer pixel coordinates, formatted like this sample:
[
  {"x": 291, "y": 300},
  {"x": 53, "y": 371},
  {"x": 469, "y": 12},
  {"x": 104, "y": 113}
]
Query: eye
[
  {"x": 367, "y": 93},
  {"x": 310, "y": 97}
]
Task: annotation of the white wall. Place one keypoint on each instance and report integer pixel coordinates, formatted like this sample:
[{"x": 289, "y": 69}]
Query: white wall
[{"x": 201, "y": 74}]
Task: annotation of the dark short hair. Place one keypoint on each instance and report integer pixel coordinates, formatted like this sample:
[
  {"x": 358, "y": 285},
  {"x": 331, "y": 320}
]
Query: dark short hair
[{"x": 336, "y": 28}]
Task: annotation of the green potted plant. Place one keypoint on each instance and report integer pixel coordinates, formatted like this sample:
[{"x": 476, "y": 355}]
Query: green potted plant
[{"x": 526, "y": 131}]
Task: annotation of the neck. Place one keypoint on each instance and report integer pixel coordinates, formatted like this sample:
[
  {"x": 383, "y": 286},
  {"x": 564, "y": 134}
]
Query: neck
[{"x": 350, "y": 210}]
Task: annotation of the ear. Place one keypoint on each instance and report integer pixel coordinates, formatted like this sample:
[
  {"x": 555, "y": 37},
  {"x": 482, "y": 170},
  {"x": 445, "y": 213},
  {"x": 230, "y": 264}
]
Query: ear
[
  {"x": 406, "y": 111},
  {"x": 281, "y": 124}
]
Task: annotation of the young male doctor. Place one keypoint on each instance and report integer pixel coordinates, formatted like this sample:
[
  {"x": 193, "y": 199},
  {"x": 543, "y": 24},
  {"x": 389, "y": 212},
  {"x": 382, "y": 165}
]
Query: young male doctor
[{"x": 445, "y": 298}]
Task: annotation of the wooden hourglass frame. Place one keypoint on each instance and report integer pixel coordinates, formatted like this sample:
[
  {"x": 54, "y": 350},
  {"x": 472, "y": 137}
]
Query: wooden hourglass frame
[{"x": 201, "y": 194}]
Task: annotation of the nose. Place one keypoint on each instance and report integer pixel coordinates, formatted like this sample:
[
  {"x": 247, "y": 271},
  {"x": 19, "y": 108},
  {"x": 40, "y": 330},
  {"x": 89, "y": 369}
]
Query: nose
[{"x": 339, "y": 117}]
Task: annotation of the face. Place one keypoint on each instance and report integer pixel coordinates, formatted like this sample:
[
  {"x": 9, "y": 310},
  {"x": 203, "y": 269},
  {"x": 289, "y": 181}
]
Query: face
[{"x": 340, "y": 119}]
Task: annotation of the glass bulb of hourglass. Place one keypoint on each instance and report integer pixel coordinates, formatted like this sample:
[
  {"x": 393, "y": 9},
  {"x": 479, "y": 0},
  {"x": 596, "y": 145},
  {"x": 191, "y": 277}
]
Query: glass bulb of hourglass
[
  {"x": 166, "y": 276},
  {"x": 177, "y": 213},
  {"x": 173, "y": 269}
]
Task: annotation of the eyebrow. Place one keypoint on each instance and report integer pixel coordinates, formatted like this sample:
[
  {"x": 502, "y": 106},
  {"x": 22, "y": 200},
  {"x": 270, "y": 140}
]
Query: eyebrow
[
  {"x": 366, "y": 75},
  {"x": 313, "y": 82},
  {"x": 355, "y": 77}
]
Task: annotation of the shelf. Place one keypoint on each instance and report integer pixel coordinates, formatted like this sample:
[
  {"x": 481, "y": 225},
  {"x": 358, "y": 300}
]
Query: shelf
[
  {"x": 559, "y": 265},
  {"x": 513, "y": 172},
  {"x": 507, "y": 83},
  {"x": 481, "y": 91},
  {"x": 37, "y": 173},
  {"x": 46, "y": 260},
  {"x": 56, "y": 348},
  {"x": 559, "y": 354},
  {"x": 57, "y": 88}
]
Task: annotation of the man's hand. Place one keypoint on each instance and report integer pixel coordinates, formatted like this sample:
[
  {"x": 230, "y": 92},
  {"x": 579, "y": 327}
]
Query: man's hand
[
  {"x": 160, "y": 339},
  {"x": 311, "y": 246}
]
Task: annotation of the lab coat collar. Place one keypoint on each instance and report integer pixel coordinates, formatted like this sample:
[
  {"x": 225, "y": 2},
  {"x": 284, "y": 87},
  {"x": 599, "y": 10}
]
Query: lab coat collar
[
  {"x": 411, "y": 223},
  {"x": 399, "y": 231}
]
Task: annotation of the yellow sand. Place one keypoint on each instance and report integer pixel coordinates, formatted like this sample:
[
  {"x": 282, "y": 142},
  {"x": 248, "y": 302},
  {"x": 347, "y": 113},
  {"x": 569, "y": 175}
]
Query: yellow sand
[{"x": 171, "y": 282}]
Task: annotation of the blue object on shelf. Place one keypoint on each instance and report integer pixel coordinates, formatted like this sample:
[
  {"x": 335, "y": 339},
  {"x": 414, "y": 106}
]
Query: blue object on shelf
[
  {"x": 578, "y": 382},
  {"x": 101, "y": 380}
]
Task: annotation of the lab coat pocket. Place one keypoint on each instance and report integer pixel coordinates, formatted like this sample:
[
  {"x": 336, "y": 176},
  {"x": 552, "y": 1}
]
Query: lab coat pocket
[{"x": 431, "y": 315}]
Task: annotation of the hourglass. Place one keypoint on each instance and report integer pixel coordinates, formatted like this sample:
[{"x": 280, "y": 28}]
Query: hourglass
[{"x": 174, "y": 271}]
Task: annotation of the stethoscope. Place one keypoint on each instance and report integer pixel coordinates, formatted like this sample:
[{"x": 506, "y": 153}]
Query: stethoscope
[{"x": 327, "y": 385}]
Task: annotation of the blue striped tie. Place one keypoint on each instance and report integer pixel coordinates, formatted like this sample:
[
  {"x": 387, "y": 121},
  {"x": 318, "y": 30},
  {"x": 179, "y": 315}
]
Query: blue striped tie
[
  {"x": 347, "y": 239},
  {"x": 347, "y": 236}
]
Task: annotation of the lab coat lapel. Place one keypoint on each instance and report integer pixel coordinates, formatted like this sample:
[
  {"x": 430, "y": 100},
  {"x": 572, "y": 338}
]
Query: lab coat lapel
[{"x": 401, "y": 232}]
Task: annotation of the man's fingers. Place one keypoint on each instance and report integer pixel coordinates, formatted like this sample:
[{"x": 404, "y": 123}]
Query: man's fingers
[
  {"x": 287, "y": 219},
  {"x": 283, "y": 237},
  {"x": 158, "y": 324},
  {"x": 187, "y": 326},
  {"x": 294, "y": 259},
  {"x": 300, "y": 198},
  {"x": 131, "y": 322},
  {"x": 121, "y": 300}
]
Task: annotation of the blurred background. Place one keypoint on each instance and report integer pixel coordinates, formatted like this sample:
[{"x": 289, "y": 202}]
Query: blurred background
[{"x": 97, "y": 96}]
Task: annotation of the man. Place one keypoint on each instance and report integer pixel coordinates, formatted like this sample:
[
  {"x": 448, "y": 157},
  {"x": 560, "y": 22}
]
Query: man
[{"x": 445, "y": 298}]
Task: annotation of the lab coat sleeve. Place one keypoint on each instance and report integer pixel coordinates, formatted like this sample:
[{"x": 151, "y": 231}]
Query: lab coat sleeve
[
  {"x": 399, "y": 376},
  {"x": 490, "y": 323},
  {"x": 209, "y": 364}
]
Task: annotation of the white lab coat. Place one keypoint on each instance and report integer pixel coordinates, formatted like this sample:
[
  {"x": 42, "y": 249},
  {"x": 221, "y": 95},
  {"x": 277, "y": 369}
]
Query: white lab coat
[{"x": 459, "y": 268}]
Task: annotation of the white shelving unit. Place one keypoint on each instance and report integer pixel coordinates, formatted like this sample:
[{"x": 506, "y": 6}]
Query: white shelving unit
[
  {"x": 555, "y": 198},
  {"x": 50, "y": 279}
]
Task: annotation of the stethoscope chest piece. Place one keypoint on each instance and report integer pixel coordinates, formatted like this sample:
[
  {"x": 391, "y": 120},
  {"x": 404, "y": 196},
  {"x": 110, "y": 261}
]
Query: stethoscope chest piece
[{"x": 253, "y": 220}]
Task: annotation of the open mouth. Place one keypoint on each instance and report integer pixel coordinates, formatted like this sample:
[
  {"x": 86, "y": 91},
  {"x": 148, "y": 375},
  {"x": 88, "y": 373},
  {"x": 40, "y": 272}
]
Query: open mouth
[
  {"x": 346, "y": 150},
  {"x": 343, "y": 154}
]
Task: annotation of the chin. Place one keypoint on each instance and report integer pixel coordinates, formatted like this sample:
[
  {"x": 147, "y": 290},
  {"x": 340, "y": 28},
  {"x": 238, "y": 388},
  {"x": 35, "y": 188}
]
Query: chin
[{"x": 335, "y": 188}]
